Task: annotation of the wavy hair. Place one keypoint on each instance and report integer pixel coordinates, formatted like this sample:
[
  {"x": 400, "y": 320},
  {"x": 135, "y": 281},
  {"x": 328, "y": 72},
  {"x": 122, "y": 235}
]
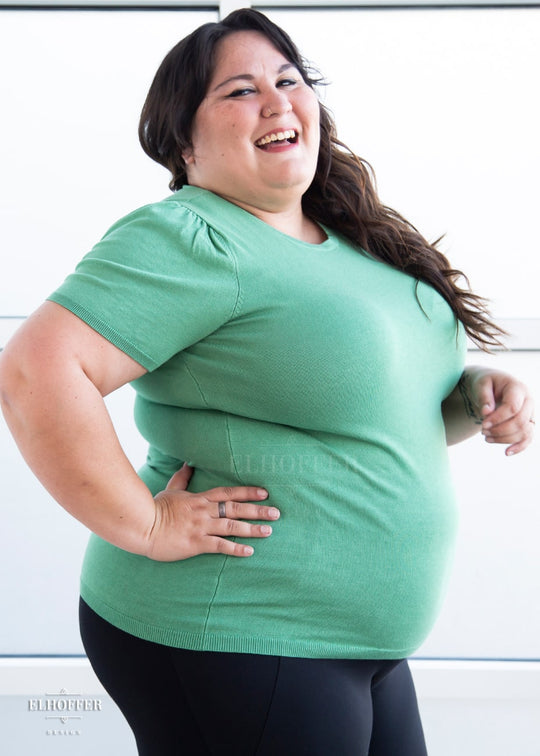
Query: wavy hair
[{"x": 342, "y": 195}]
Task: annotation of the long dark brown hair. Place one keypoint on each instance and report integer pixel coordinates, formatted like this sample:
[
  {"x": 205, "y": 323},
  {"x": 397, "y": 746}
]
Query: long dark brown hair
[{"x": 342, "y": 195}]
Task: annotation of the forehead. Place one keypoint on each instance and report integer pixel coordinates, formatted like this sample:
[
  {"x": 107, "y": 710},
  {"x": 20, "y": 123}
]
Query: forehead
[{"x": 245, "y": 48}]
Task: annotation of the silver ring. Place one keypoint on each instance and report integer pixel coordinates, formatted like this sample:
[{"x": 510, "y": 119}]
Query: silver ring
[{"x": 221, "y": 509}]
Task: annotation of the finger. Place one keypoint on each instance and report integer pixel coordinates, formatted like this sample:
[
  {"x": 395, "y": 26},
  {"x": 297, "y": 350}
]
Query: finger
[
  {"x": 521, "y": 441},
  {"x": 237, "y": 510},
  {"x": 522, "y": 437},
  {"x": 181, "y": 478},
  {"x": 517, "y": 448},
  {"x": 485, "y": 397},
  {"x": 239, "y": 529},
  {"x": 513, "y": 420},
  {"x": 216, "y": 545},
  {"x": 519, "y": 436},
  {"x": 511, "y": 404},
  {"x": 236, "y": 493}
]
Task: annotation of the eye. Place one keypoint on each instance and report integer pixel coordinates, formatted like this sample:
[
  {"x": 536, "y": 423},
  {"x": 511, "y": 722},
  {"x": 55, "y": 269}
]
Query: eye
[
  {"x": 286, "y": 82},
  {"x": 241, "y": 92}
]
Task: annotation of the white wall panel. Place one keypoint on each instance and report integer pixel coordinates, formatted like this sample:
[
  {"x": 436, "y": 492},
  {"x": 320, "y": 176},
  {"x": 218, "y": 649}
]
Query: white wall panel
[
  {"x": 442, "y": 103},
  {"x": 72, "y": 88}
]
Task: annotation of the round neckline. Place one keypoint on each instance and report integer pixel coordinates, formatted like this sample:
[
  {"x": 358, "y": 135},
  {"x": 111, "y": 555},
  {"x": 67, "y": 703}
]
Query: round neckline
[
  {"x": 289, "y": 237},
  {"x": 263, "y": 224}
]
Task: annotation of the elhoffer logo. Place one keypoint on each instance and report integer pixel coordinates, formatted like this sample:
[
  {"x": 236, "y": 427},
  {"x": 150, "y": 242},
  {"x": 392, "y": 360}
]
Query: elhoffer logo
[{"x": 64, "y": 708}]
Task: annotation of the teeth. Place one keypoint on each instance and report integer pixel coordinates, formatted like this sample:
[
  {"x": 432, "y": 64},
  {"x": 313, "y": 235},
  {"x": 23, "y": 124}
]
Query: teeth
[{"x": 278, "y": 136}]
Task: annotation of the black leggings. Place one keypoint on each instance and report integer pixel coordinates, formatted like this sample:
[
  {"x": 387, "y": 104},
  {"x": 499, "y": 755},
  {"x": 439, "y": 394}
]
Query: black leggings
[{"x": 225, "y": 704}]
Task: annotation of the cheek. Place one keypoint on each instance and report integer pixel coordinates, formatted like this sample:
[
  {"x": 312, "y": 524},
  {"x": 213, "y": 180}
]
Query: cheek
[
  {"x": 315, "y": 113},
  {"x": 308, "y": 106},
  {"x": 234, "y": 135}
]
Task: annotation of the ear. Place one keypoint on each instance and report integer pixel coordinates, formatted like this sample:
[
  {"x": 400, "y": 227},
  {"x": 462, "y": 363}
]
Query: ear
[{"x": 187, "y": 156}]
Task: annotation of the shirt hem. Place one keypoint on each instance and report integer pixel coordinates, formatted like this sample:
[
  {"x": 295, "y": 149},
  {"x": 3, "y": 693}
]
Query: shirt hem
[
  {"x": 224, "y": 643},
  {"x": 104, "y": 330}
]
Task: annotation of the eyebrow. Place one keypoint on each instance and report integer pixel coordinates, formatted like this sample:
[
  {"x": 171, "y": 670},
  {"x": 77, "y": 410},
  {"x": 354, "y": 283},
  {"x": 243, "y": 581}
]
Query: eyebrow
[{"x": 250, "y": 77}]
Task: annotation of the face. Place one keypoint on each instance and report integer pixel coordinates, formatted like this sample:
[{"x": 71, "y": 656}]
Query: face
[{"x": 255, "y": 138}]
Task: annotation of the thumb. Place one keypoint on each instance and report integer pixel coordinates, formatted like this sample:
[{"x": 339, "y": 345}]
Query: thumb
[
  {"x": 181, "y": 478},
  {"x": 485, "y": 397}
]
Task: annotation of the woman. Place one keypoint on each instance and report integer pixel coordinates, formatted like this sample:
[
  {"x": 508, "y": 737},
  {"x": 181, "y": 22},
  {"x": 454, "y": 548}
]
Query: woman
[{"x": 282, "y": 329}]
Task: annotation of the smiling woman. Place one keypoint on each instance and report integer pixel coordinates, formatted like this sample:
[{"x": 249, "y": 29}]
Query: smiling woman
[
  {"x": 238, "y": 145},
  {"x": 297, "y": 350}
]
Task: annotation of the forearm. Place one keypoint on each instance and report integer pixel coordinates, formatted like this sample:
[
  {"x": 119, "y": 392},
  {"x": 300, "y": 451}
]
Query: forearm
[
  {"x": 62, "y": 427},
  {"x": 462, "y": 419},
  {"x": 53, "y": 375}
]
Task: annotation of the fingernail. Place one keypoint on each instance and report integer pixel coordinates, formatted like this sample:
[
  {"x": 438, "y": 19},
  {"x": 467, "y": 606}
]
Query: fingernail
[
  {"x": 487, "y": 426},
  {"x": 262, "y": 493},
  {"x": 273, "y": 513},
  {"x": 248, "y": 550},
  {"x": 266, "y": 529}
]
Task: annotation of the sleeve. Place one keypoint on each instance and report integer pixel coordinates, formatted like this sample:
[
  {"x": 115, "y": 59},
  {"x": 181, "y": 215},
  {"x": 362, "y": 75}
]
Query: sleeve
[{"x": 160, "y": 280}]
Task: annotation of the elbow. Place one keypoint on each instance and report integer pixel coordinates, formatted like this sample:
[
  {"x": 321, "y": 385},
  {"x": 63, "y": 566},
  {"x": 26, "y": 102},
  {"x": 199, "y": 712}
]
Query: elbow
[
  {"x": 11, "y": 381},
  {"x": 18, "y": 383}
]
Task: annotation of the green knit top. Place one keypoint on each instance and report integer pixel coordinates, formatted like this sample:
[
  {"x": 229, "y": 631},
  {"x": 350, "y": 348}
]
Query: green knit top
[{"x": 312, "y": 370}]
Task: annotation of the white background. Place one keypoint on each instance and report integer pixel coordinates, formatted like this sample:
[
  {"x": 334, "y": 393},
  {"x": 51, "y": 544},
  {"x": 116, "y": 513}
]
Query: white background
[{"x": 443, "y": 103}]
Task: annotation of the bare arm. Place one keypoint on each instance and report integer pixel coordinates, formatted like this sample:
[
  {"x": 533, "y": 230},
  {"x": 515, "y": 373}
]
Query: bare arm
[
  {"x": 53, "y": 376},
  {"x": 493, "y": 403}
]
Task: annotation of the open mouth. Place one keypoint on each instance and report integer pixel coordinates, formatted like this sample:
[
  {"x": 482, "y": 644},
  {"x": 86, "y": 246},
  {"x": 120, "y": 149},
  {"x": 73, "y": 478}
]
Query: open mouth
[{"x": 289, "y": 136}]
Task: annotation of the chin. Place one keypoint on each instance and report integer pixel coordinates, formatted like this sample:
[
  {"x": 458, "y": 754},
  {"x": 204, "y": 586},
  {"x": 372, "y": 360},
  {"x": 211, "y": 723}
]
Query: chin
[{"x": 298, "y": 186}]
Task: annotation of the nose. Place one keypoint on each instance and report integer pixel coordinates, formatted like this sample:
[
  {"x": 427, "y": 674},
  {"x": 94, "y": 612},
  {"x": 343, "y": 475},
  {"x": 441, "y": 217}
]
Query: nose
[{"x": 277, "y": 103}]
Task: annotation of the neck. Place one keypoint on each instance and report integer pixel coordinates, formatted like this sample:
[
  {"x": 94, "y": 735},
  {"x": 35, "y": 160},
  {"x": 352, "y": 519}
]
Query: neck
[{"x": 290, "y": 221}]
